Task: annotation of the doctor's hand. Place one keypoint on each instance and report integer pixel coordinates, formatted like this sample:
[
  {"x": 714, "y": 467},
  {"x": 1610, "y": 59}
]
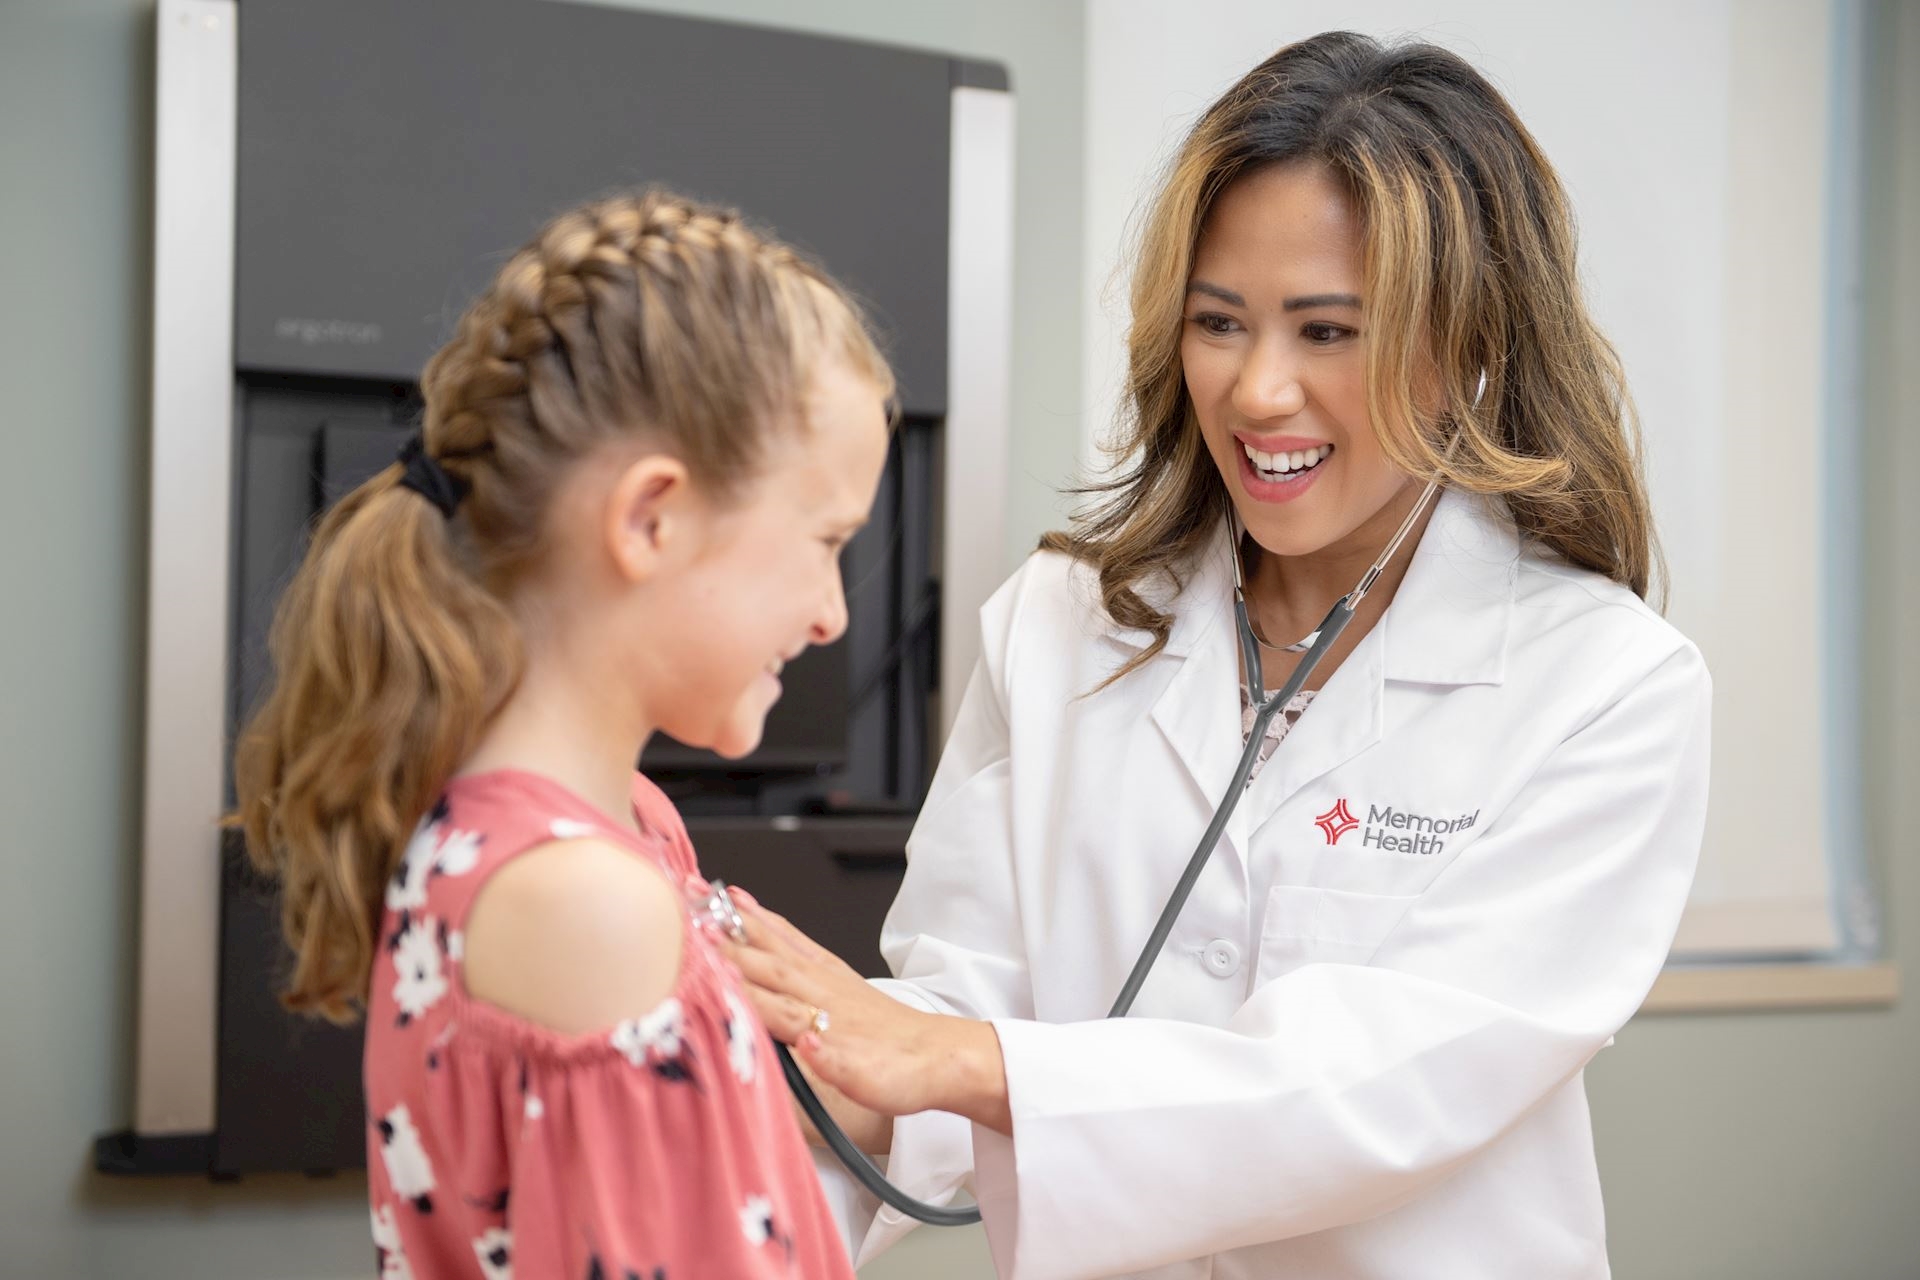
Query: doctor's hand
[
  {"x": 866, "y": 1128},
  {"x": 880, "y": 1053}
]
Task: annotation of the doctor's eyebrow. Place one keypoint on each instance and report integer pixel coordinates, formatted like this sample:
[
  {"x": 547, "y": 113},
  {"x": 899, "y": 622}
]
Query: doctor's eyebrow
[
  {"x": 1314, "y": 300},
  {"x": 1307, "y": 303},
  {"x": 1227, "y": 296}
]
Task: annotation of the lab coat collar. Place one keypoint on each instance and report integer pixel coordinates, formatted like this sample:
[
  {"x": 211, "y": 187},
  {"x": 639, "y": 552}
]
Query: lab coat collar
[
  {"x": 1453, "y": 609},
  {"x": 1449, "y": 621},
  {"x": 1200, "y": 602}
]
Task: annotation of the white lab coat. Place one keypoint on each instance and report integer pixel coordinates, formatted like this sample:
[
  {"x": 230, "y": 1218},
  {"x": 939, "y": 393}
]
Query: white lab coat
[{"x": 1357, "y": 1057}]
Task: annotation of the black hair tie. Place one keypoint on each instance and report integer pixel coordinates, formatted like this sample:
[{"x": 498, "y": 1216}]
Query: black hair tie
[{"x": 426, "y": 477}]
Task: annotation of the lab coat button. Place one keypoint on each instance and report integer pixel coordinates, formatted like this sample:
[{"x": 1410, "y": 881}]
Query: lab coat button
[{"x": 1222, "y": 958}]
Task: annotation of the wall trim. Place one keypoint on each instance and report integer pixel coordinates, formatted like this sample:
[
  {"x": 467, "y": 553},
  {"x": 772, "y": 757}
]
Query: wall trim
[{"x": 1762, "y": 987}]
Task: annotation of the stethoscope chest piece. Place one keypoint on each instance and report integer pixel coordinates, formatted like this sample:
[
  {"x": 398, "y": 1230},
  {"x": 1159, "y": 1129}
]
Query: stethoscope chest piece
[{"x": 716, "y": 911}]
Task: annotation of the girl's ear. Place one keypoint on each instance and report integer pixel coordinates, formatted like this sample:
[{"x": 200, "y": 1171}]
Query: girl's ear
[{"x": 651, "y": 515}]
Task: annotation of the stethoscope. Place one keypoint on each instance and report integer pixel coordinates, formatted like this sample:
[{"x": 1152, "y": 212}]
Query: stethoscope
[{"x": 723, "y": 915}]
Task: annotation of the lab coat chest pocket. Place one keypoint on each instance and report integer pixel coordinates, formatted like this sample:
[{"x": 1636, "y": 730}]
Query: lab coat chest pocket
[{"x": 1309, "y": 924}]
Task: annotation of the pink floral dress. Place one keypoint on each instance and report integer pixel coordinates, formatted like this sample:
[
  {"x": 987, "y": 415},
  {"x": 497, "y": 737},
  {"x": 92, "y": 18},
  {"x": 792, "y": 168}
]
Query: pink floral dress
[{"x": 659, "y": 1148}]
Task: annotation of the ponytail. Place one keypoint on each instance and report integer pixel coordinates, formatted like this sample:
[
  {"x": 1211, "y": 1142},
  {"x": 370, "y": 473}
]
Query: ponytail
[{"x": 390, "y": 660}]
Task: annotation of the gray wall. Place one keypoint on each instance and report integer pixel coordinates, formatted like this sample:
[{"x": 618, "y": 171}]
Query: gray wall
[{"x": 1780, "y": 1145}]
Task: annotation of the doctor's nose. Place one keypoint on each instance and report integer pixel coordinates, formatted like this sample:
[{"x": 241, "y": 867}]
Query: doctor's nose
[{"x": 1268, "y": 386}]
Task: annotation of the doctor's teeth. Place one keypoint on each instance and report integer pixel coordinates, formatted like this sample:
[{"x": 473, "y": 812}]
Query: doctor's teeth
[{"x": 1289, "y": 461}]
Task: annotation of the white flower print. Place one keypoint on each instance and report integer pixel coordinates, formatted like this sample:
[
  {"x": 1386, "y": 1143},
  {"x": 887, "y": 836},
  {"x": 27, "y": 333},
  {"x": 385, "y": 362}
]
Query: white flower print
[
  {"x": 655, "y": 1042},
  {"x": 756, "y": 1220},
  {"x": 432, "y": 851},
  {"x": 408, "y": 1168},
  {"x": 568, "y": 829},
  {"x": 459, "y": 853},
  {"x": 407, "y": 890},
  {"x": 418, "y": 981},
  {"x": 386, "y": 1234},
  {"x": 658, "y": 1033},
  {"x": 387, "y": 1253},
  {"x": 742, "y": 1042},
  {"x": 495, "y": 1251},
  {"x": 456, "y": 946}
]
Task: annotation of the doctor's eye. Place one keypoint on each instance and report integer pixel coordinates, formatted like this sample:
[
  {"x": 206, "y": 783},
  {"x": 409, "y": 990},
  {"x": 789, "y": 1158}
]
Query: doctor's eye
[
  {"x": 1213, "y": 324},
  {"x": 1321, "y": 334}
]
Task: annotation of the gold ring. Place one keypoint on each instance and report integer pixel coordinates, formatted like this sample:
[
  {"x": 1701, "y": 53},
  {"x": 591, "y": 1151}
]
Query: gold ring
[{"x": 820, "y": 1021}]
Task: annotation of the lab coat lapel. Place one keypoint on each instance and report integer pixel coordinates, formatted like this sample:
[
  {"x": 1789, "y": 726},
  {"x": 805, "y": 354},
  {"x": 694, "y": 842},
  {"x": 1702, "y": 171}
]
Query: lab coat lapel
[{"x": 1198, "y": 709}]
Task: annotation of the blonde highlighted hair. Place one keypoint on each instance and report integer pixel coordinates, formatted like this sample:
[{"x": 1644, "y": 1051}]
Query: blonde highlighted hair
[
  {"x": 645, "y": 316},
  {"x": 1469, "y": 253}
]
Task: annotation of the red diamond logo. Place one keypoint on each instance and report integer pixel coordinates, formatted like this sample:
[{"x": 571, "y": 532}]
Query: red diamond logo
[{"x": 1336, "y": 821}]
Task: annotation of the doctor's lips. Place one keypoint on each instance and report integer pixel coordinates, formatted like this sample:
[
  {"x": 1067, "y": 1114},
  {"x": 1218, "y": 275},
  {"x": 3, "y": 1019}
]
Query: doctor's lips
[{"x": 1279, "y": 468}]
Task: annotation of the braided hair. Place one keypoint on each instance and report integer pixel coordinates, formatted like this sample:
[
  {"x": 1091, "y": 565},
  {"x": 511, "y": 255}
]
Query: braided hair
[{"x": 645, "y": 316}]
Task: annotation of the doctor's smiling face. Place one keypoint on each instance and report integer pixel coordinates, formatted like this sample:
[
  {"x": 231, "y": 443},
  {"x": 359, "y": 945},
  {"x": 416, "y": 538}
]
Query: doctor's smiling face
[{"x": 1273, "y": 353}]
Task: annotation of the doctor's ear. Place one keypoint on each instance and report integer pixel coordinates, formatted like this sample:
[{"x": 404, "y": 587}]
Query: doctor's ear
[{"x": 651, "y": 516}]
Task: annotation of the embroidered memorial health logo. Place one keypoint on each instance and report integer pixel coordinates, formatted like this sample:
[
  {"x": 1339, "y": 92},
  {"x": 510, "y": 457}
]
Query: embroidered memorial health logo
[
  {"x": 1336, "y": 821},
  {"x": 1394, "y": 830}
]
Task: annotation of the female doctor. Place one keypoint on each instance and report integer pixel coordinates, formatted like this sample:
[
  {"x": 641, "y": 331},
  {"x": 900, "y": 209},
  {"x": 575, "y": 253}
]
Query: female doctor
[{"x": 1359, "y": 1052}]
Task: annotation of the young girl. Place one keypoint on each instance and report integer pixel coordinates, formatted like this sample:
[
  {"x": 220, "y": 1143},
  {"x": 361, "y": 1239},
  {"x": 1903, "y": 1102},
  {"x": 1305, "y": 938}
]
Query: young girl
[{"x": 642, "y": 454}]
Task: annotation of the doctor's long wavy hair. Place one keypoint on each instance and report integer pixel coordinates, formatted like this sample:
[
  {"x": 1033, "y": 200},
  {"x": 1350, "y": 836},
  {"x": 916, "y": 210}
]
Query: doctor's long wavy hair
[
  {"x": 646, "y": 317},
  {"x": 1469, "y": 262}
]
